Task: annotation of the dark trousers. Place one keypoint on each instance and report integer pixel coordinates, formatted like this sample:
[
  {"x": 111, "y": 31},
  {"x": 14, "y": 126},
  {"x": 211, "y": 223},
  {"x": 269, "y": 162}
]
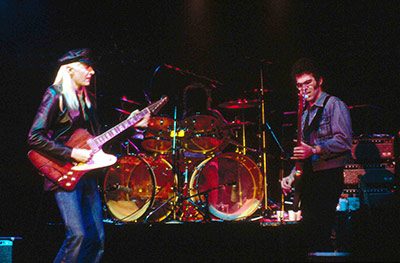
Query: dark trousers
[{"x": 320, "y": 195}]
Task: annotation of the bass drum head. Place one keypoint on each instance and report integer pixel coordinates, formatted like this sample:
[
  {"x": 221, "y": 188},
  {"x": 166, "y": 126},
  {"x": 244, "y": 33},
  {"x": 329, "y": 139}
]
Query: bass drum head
[
  {"x": 140, "y": 188},
  {"x": 129, "y": 188},
  {"x": 238, "y": 185}
]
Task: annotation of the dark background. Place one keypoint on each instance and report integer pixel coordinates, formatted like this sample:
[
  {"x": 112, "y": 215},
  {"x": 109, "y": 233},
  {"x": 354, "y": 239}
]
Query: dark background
[{"x": 233, "y": 43}]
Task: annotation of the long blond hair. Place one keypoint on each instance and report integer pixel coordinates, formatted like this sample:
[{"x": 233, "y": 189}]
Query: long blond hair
[{"x": 63, "y": 79}]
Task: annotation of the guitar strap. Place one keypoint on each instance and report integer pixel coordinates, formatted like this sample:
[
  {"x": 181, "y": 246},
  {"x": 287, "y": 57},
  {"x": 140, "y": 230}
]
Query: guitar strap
[{"x": 308, "y": 128}]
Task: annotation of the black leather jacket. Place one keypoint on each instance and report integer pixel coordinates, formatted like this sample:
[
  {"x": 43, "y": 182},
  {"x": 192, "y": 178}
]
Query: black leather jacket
[{"x": 52, "y": 125}]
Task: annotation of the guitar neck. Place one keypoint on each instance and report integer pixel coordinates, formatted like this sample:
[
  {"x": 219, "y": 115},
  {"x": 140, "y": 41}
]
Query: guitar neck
[
  {"x": 299, "y": 164},
  {"x": 111, "y": 133},
  {"x": 100, "y": 140}
]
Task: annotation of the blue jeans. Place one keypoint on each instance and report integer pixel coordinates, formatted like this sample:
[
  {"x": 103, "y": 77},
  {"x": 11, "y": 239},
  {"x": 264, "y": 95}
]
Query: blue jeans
[{"x": 81, "y": 210}]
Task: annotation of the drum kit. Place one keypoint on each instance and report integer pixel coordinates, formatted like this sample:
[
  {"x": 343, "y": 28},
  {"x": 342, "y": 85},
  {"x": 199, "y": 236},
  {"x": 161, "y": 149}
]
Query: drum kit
[{"x": 185, "y": 174}]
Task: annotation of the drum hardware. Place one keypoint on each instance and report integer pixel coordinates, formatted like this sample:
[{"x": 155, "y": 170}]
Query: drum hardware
[
  {"x": 261, "y": 91},
  {"x": 150, "y": 188},
  {"x": 237, "y": 144},
  {"x": 240, "y": 104},
  {"x": 205, "y": 208},
  {"x": 128, "y": 144}
]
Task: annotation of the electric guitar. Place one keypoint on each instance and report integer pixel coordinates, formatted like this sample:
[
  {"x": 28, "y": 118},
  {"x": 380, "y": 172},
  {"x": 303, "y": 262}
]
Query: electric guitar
[{"x": 66, "y": 174}]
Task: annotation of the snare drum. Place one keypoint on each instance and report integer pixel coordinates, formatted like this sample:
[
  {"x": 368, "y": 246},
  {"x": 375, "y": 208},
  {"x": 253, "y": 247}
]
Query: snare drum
[
  {"x": 135, "y": 186},
  {"x": 157, "y": 137},
  {"x": 201, "y": 133},
  {"x": 238, "y": 185}
]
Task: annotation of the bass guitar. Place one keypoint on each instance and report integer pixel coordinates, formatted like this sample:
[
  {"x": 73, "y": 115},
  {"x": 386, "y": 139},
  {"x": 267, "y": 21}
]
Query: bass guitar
[
  {"x": 300, "y": 163},
  {"x": 66, "y": 174}
]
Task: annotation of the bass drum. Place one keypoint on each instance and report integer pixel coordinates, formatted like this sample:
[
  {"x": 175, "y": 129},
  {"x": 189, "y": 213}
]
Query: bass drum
[
  {"x": 238, "y": 185},
  {"x": 138, "y": 186}
]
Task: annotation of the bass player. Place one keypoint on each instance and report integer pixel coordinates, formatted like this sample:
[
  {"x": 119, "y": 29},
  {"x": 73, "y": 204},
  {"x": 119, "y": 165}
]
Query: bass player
[{"x": 324, "y": 151}]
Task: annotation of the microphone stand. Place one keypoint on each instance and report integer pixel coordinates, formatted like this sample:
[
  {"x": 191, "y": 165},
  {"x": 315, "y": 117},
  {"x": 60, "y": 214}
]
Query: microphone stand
[
  {"x": 186, "y": 72},
  {"x": 205, "y": 193}
]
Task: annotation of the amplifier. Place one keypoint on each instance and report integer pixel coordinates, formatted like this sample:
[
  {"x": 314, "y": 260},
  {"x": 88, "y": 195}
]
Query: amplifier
[
  {"x": 6, "y": 251},
  {"x": 351, "y": 199},
  {"x": 373, "y": 148},
  {"x": 373, "y": 174}
]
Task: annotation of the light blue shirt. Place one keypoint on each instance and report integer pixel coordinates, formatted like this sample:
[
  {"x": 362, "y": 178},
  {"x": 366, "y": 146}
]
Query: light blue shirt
[{"x": 333, "y": 135}]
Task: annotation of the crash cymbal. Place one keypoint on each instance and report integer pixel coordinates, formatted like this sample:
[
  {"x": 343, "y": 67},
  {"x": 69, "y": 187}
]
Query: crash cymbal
[{"x": 239, "y": 104}]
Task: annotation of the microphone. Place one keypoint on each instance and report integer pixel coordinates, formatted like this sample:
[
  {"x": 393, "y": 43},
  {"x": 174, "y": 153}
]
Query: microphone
[
  {"x": 234, "y": 192},
  {"x": 117, "y": 186},
  {"x": 233, "y": 183}
]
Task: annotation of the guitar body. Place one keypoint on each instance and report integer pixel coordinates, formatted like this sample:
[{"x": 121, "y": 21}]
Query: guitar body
[
  {"x": 66, "y": 174},
  {"x": 297, "y": 186}
]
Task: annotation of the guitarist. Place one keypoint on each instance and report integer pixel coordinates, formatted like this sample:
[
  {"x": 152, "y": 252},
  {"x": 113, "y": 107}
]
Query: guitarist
[
  {"x": 324, "y": 151},
  {"x": 66, "y": 106}
]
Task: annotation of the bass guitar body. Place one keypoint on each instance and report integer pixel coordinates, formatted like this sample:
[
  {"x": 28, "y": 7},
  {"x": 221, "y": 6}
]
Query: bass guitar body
[{"x": 299, "y": 163}]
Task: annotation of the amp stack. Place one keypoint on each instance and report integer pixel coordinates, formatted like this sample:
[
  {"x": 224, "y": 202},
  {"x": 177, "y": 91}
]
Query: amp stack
[{"x": 370, "y": 178}]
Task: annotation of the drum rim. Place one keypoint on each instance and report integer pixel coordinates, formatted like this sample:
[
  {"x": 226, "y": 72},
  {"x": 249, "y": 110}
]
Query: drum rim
[
  {"x": 194, "y": 188},
  {"x": 133, "y": 217}
]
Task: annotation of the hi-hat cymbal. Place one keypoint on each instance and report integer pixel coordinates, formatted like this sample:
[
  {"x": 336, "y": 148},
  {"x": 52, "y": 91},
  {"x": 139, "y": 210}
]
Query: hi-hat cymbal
[{"x": 239, "y": 104}]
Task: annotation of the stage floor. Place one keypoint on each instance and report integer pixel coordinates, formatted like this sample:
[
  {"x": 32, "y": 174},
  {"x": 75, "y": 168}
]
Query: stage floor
[{"x": 242, "y": 241}]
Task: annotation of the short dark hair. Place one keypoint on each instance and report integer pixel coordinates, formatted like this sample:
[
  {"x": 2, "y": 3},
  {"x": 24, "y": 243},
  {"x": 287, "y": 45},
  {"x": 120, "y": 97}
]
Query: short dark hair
[{"x": 306, "y": 65}]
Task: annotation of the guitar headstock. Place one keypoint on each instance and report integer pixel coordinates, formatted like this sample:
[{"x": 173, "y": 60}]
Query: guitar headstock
[
  {"x": 156, "y": 106},
  {"x": 302, "y": 96}
]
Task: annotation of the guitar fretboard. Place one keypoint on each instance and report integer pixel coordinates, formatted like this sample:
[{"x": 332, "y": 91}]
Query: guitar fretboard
[{"x": 111, "y": 133}]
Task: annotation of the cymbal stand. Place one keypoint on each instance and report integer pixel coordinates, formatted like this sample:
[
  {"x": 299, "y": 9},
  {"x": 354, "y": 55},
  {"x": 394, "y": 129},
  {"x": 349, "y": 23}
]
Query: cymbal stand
[
  {"x": 182, "y": 190},
  {"x": 243, "y": 133},
  {"x": 263, "y": 140},
  {"x": 283, "y": 157},
  {"x": 175, "y": 168}
]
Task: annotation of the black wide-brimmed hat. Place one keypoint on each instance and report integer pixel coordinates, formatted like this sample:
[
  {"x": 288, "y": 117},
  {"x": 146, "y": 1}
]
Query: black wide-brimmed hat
[{"x": 76, "y": 55}]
